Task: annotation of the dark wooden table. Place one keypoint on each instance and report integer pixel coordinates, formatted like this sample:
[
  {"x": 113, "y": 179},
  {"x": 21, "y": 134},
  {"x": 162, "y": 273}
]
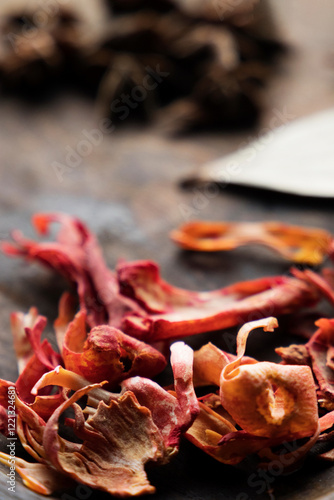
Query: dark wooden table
[{"x": 127, "y": 189}]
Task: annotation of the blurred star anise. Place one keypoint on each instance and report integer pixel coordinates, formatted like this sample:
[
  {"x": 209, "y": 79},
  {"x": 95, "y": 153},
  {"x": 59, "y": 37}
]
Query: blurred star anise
[{"x": 186, "y": 64}]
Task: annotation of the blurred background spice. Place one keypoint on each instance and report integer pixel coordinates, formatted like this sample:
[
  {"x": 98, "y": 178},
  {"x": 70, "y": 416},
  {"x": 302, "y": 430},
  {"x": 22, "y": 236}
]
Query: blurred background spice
[{"x": 211, "y": 59}]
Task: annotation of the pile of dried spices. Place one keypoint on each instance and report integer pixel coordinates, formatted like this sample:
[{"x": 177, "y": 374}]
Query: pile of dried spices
[{"x": 112, "y": 334}]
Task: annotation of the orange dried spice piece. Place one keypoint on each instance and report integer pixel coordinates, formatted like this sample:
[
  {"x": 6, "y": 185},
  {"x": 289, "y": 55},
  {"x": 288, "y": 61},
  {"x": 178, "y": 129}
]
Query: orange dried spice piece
[
  {"x": 270, "y": 402},
  {"x": 294, "y": 243},
  {"x": 267, "y": 399},
  {"x": 106, "y": 353}
]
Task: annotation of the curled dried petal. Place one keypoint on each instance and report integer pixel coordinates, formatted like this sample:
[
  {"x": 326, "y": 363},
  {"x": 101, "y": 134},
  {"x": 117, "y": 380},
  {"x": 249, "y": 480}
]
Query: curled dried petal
[
  {"x": 23, "y": 348},
  {"x": 207, "y": 430},
  {"x": 267, "y": 399},
  {"x": 66, "y": 313},
  {"x": 295, "y": 243},
  {"x": 122, "y": 438},
  {"x": 35, "y": 357},
  {"x": 30, "y": 430},
  {"x": 174, "y": 313},
  {"x": 42, "y": 359},
  {"x": 209, "y": 362},
  {"x": 321, "y": 282},
  {"x": 47, "y": 357},
  {"x": 70, "y": 380},
  {"x": 76, "y": 256},
  {"x": 107, "y": 353},
  {"x": 173, "y": 413},
  {"x": 219, "y": 438}
]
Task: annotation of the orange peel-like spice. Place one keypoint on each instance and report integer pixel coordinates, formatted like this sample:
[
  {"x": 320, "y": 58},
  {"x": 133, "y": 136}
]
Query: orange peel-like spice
[
  {"x": 294, "y": 243},
  {"x": 267, "y": 399}
]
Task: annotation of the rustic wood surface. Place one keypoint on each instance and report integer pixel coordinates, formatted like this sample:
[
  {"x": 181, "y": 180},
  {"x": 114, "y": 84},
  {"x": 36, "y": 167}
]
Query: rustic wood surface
[{"x": 128, "y": 191}]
